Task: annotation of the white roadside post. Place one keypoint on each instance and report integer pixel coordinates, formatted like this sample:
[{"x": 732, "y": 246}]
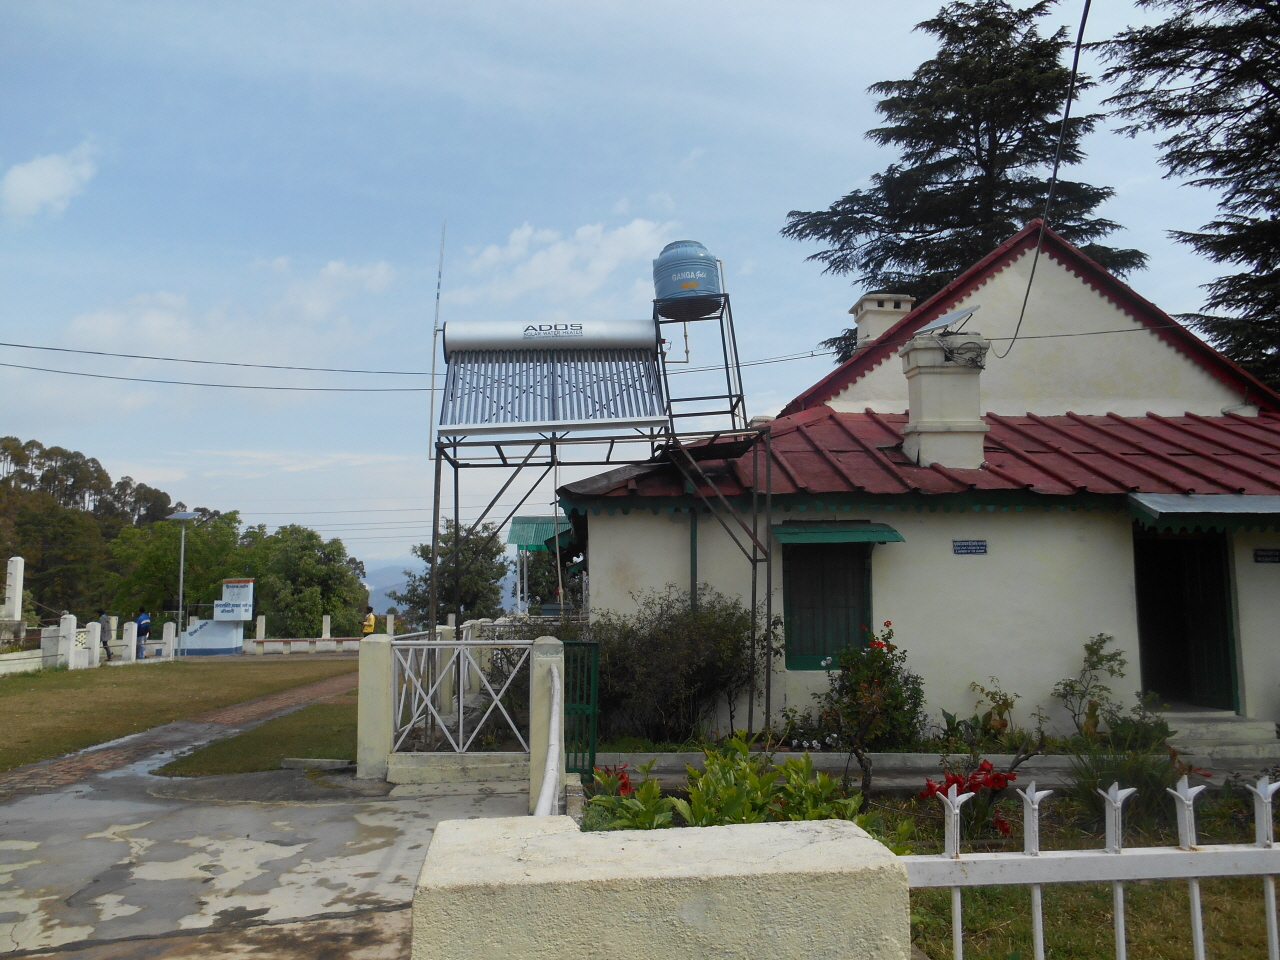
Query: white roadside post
[
  {"x": 183, "y": 516},
  {"x": 325, "y": 627},
  {"x": 67, "y": 641},
  {"x": 168, "y": 637},
  {"x": 13, "y": 589},
  {"x": 130, "y": 636},
  {"x": 546, "y": 722},
  {"x": 391, "y": 624},
  {"x": 93, "y": 643}
]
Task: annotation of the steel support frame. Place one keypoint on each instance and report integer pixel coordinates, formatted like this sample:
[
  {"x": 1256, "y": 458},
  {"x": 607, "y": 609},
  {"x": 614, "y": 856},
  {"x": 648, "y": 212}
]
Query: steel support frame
[{"x": 552, "y": 449}]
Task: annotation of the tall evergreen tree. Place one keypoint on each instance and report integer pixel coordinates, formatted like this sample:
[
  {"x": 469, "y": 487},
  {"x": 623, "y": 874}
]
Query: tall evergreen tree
[
  {"x": 479, "y": 564},
  {"x": 1209, "y": 77},
  {"x": 976, "y": 128}
]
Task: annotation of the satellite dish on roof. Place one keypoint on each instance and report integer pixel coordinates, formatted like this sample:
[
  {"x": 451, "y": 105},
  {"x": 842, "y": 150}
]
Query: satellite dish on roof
[{"x": 946, "y": 320}]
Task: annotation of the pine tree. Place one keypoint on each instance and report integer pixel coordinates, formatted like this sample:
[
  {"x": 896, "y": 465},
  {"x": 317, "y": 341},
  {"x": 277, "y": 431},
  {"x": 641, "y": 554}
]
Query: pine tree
[
  {"x": 976, "y": 128},
  {"x": 1209, "y": 77}
]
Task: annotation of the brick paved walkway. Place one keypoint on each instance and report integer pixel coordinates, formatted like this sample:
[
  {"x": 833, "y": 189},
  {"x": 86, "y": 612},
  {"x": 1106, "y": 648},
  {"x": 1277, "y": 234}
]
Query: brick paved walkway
[{"x": 52, "y": 774}]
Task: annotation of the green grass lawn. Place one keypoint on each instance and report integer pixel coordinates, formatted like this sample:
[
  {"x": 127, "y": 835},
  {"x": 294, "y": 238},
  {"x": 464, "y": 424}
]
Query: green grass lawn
[
  {"x": 53, "y": 712},
  {"x": 326, "y": 730}
]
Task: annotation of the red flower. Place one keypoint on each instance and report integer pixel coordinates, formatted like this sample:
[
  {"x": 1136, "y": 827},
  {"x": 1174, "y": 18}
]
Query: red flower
[
  {"x": 888, "y": 623},
  {"x": 878, "y": 644}
]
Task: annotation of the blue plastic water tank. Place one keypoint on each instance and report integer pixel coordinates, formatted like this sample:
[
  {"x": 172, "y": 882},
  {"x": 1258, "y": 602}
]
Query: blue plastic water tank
[{"x": 686, "y": 274}]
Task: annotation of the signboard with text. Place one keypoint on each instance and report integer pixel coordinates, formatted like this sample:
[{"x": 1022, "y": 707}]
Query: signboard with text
[{"x": 236, "y": 602}]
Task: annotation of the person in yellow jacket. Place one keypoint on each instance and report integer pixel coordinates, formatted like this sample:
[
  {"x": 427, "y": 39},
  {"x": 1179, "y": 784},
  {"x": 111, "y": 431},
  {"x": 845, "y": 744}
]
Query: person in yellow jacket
[{"x": 370, "y": 622}]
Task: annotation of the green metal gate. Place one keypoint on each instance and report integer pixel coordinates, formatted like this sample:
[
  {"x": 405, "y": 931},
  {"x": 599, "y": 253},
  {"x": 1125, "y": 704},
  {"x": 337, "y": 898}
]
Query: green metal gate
[{"x": 581, "y": 681}]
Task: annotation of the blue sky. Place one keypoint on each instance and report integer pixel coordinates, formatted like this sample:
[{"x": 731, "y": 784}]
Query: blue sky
[{"x": 266, "y": 183}]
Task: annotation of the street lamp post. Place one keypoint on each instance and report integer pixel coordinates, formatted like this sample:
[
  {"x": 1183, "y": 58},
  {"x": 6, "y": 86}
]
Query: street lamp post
[{"x": 182, "y": 516}]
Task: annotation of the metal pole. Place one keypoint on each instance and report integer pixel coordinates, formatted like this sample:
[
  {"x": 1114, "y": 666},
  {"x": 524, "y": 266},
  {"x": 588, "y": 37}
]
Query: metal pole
[
  {"x": 435, "y": 548},
  {"x": 182, "y": 570},
  {"x": 435, "y": 333}
]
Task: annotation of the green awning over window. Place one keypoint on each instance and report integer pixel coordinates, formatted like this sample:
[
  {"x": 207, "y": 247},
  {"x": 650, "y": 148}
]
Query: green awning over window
[
  {"x": 835, "y": 531},
  {"x": 532, "y": 533}
]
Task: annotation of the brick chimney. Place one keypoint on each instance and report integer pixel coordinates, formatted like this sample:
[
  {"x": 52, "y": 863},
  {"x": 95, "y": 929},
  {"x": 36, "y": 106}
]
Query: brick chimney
[
  {"x": 944, "y": 425},
  {"x": 877, "y": 312}
]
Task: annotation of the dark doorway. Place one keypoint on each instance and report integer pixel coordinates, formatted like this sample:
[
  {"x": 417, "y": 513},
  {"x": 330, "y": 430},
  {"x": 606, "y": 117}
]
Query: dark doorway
[
  {"x": 1184, "y": 617},
  {"x": 826, "y": 598}
]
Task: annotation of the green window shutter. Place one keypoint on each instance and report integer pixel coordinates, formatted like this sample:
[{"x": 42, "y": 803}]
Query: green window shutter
[{"x": 826, "y": 600}]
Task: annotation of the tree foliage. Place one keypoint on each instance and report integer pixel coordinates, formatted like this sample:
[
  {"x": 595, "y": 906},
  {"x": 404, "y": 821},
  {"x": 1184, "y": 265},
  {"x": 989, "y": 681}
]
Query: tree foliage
[
  {"x": 1208, "y": 78},
  {"x": 478, "y": 575},
  {"x": 976, "y": 128},
  {"x": 92, "y": 544}
]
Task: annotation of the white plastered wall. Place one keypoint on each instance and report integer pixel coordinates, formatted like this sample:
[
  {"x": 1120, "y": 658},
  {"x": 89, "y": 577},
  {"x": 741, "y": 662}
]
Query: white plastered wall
[
  {"x": 1257, "y": 622},
  {"x": 1125, "y": 373},
  {"x": 1022, "y": 612}
]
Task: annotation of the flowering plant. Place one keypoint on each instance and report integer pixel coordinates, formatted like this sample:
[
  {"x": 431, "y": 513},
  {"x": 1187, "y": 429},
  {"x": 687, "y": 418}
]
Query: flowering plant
[
  {"x": 985, "y": 782},
  {"x": 613, "y": 781},
  {"x": 874, "y": 701}
]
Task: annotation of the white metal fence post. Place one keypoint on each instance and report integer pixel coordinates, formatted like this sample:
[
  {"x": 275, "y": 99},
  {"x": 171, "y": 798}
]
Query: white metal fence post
[
  {"x": 1115, "y": 798},
  {"x": 1264, "y": 835},
  {"x": 1031, "y": 847},
  {"x": 1185, "y": 807},
  {"x": 951, "y": 804}
]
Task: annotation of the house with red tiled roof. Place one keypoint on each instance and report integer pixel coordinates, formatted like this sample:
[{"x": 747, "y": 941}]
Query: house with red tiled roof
[{"x": 1002, "y": 483}]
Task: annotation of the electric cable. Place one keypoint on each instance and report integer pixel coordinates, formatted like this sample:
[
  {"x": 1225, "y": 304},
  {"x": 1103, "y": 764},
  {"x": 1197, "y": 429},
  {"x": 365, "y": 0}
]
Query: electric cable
[
  {"x": 215, "y": 363},
  {"x": 223, "y": 386},
  {"x": 1053, "y": 177}
]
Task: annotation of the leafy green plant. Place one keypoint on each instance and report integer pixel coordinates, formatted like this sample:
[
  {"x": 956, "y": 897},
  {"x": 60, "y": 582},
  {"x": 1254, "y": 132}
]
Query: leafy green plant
[
  {"x": 641, "y": 808},
  {"x": 1087, "y": 696},
  {"x": 874, "y": 702},
  {"x": 1096, "y": 766},
  {"x": 733, "y": 787}
]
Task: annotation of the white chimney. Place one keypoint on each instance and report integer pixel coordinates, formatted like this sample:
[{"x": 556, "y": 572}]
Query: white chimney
[
  {"x": 877, "y": 312},
  {"x": 944, "y": 425}
]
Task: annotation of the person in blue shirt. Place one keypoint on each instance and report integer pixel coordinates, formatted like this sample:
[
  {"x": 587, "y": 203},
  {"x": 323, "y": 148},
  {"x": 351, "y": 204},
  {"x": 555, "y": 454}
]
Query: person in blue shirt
[{"x": 144, "y": 631}]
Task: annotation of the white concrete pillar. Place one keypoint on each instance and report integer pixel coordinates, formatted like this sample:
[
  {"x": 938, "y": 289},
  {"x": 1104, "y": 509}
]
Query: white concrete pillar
[
  {"x": 67, "y": 640},
  {"x": 93, "y": 643},
  {"x": 262, "y": 627},
  {"x": 168, "y": 636},
  {"x": 547, "y": 652},
  {"x": 13, "y": 589},
  {"x": 130, "y": 637},
  {"x": 325, "y": 631},
  {"x": 391, "y": 624},
  {"x": 374, "y": 727}
]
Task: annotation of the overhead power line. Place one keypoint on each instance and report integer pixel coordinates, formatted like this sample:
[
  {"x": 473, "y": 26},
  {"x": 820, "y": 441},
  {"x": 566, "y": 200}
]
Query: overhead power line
[
  {"x": 216, "y": 363},
  {"x": 223, "y": 386}
]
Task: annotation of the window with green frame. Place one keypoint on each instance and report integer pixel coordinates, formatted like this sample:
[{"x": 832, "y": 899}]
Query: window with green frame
[{"x": 826, "y": 596}]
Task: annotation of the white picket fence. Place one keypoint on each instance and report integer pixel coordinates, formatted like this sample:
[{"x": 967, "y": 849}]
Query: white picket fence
[{"x": 1115, "y": 864}]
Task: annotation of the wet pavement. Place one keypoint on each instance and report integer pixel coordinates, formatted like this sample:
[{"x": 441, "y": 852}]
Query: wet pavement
[{"x": 122, "y": 864}]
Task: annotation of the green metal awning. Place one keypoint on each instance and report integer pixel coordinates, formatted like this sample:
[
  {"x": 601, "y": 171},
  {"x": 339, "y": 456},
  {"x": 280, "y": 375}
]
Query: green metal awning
[
  {"x": 532, "y": 533},
  {"x": 835, "y": 531},
  {"x": 1206, "y": 511}
]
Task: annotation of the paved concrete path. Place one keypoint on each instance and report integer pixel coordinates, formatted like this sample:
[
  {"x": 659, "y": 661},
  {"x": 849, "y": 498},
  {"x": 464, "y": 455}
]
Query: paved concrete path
[{"x": 101, "y": 859}]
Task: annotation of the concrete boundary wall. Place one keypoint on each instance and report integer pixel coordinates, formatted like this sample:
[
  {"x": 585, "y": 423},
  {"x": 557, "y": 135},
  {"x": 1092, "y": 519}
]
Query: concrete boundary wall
[{"x": 537, "y": 888}]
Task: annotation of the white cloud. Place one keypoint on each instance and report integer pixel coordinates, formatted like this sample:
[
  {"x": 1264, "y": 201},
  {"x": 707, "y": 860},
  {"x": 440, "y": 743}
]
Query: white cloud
[
  {"x": 662, "y": 201},
  {"x": 46, "y": 184},
  {"x": 622, "y": 207},
  {"x": 540, "y": 264},
  {"x": 318, "y": 296}
]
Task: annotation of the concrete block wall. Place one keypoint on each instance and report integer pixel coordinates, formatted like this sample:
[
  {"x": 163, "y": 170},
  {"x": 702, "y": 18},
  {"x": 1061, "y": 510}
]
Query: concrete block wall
[{"x": 538, "y": 888}]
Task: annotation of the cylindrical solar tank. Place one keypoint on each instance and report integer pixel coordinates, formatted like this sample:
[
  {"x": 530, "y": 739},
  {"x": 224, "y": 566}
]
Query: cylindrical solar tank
[
  {"x": 532, "y": 335},
  {"x": 685, "y": 276}
]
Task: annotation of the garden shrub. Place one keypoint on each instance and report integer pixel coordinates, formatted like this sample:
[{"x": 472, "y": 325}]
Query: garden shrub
[
  {"x": 666, "y": 668},
  {"x": 875, "y": 703},
  {"x": 736, "y": 785}
]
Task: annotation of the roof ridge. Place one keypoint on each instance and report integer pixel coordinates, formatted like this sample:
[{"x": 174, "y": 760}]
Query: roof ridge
[{"x": 1081, "y": 265}]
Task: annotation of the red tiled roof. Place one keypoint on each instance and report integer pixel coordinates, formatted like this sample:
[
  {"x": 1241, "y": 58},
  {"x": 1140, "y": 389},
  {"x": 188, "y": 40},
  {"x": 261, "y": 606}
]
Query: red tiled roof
[
  {"x": 821, "y": 451},
  {"x": 1071, "y": 257}
]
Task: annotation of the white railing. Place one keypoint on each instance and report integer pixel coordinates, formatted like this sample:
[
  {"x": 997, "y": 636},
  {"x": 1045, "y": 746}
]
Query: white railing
[
  {"x": 1034, "y": 867},
  {"x": 548, "y": 795},
  {"x": 450, "y": 688}
]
